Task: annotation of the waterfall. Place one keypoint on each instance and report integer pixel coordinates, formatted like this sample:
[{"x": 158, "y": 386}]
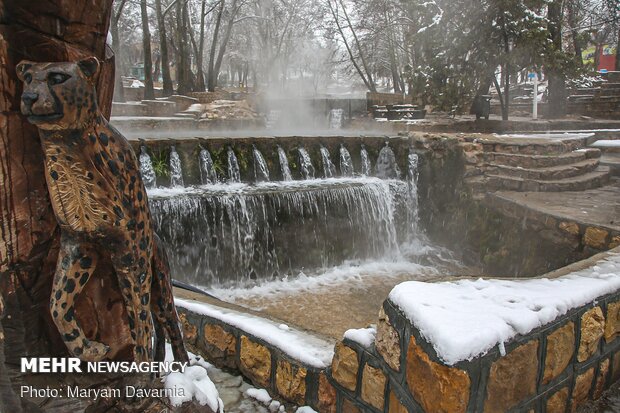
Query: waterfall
[
  {"x": 412, "y": 183},
  {"x": 261, "y": 170},
  {"x": 329, "y": 169},
  {"x": 305, "y": 163},
  {"x": 366, "y": 165},
  {"x": 346, "y": 164},
  {"x": 335, "y": 118},
  {"x": 176, "y": 171},
  {"x": 208, "y": 175},
  {"x": 234, "y": 174},
  {"x": 387, "y": 168},
  {"x": 146, "y": 170},
  {"x": 227, "y": 237},
  {"x": 284, "y": 167}
]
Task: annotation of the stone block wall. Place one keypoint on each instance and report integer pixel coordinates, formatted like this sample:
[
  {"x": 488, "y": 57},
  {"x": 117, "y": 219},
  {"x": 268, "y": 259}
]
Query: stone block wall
[{"x": 555, "y": 368}]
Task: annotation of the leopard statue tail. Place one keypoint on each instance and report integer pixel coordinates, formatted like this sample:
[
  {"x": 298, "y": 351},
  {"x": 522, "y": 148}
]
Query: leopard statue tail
[{"x": 165, "y": 315}]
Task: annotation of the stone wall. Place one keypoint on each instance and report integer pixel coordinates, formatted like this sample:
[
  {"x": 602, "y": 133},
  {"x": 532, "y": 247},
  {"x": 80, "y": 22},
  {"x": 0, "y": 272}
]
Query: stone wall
[{"x": 554, "y": 368}]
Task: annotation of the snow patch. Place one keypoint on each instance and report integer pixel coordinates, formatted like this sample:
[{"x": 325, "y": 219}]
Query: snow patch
[
  {"x": 309, "y": 350},
  {"x": 606, "y": 143},
  {"x": 363, "y": 336},
  {"x": 467, "y": 318}
]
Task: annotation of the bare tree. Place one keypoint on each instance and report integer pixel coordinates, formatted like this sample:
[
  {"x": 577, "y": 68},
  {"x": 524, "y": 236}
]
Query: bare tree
[{"x": 149, "y": 92}]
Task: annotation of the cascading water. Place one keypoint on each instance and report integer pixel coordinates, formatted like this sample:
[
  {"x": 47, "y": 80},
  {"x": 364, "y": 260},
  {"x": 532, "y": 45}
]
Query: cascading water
[
  {"x": 329, "y": 169},
  {"x": 232, "y": 236},
  {"x": 146, "y": 169},
  {"x": 387, "y": 167},
  {"x": 261, "y": 170},
  {"x": 346, "y": 163},
  {"x": 208, "y": 175},
  {"x": 335, "y": 118},
  {"x": 366, "y": 165},
  {"x": 284, "y": 166},
  {"x": 305, "y": 164},
  {"x": 234, "y": 173},
  {"x": 412, "y": 182},
  {"x": 176, "y": 171}
]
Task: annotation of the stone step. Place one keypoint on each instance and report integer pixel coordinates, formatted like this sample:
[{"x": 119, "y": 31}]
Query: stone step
[
  {"x": 612, "y": 160},
  {"x": 540, "y": 161},
  {"x": 552, "y": 173},
  {"x": 591, "y": 180},
  {"x": 525, "y": 147}
]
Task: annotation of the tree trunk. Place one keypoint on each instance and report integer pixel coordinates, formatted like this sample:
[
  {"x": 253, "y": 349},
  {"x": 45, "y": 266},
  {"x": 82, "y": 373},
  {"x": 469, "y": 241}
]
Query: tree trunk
[
  {"x": 224, "y": 44},
  {"x": 149, "y": 92},
  {"x": 212, "y": 80},
  {"x": 119, "y": 91},
  {"x": 168, "y": 88},
  {"x": 200, "y": 74},
  {"x": 557, "y": 80},
  {"x": 184, "y": 82},
  {"x": 29, "y": 236}
]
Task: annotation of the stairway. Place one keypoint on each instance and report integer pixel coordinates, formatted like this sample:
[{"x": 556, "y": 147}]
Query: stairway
[{"x": 539, "y": 165}]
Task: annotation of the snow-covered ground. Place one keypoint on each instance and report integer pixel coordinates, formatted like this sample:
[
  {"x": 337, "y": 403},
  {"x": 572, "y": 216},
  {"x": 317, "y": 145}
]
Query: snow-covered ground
[
  {"x": 465, "y": 319},
  {"x": 363, "y": 336},
  {"x": 308, "y": 349},
  {"x": 221, "y": 391}
]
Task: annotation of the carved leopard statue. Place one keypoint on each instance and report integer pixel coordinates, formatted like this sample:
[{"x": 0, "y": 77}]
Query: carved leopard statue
[{"x": 101, "y": 206}]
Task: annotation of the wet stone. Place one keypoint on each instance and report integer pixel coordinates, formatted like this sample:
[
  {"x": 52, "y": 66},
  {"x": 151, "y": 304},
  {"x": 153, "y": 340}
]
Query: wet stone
[
  {"x": 291, "y": 382},
  {"x": 387, "y": 341},
  {"x": 255, "y": 362},
  {"x": 612, "y": 323},
  {"x": 560, "y": 350},
  {"x": 220, "y": 345},
  {"x": 601, "y": 379},
  {"x": 557, "y": 402},
  {"x": 595, "y": 237},
  {"x": 583, "y": 383},
  {"x": 592, "y": 329},
  {"x": 512, "y": 378},
  {"x": 345, "y": 365},
  {"x": 395, "y": 405},
  {"x": 373, "y": 386},
  {"x": 190, "y": 331},
  {"x": 436, "y": 387},
  {"x": 327, "y": 395},
  {"x": 570, "y": 227},
  {"x": 349, "y": 407}
]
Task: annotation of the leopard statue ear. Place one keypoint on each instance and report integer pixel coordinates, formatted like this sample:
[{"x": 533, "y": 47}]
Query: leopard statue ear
[
  {"x": 89, "y": 66},
  {"x": 22, "y": 68}
]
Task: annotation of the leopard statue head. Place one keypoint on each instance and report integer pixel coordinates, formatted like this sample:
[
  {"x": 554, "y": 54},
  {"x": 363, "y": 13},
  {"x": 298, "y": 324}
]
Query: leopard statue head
[{"x": 59, "y": 96}]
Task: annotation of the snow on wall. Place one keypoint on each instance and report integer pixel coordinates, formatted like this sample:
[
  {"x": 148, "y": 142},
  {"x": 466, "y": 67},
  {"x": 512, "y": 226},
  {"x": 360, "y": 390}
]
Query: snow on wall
[
  {"x": 303, "y": 347},
  {"x": 467, "y": 318}
]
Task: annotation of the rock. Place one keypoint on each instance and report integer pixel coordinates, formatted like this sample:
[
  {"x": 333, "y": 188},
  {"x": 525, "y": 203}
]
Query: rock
[
  {"x": 291, "y": 382},
  {"x": 345, "y": 365},
  {"x": 387, "y": 341},
  {"x": 512, "y": 378},
  {"x": 612, "y": 322},
  {"x": 595, "y": 237},
  {"x": 570, "y": 227},
  {"x": 220, "y": 346},
  {"x": 255, "y": 362},
  {"x": 190, "y": 331},
  {"x": 327, "y": 395},
  {"x": 601, "y": 379},
  {"x": 615, "y": 369},
  {"x": 560, "y": 350},
  {"x": 349, "y": 407},
  {"x": 557, "y": 402},
  {"x": 615, "y": 242},
  {"x": 373, "y": 386},
  {"x": 583, "y": 383},
  {"x": 592, "y": 329},
  {"x": 395, "y": 405},
  {"x": 438, "y": 388}
]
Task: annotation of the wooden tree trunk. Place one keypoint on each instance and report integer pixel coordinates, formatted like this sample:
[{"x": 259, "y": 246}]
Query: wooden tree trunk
[{"x": 52, "y": 30}]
